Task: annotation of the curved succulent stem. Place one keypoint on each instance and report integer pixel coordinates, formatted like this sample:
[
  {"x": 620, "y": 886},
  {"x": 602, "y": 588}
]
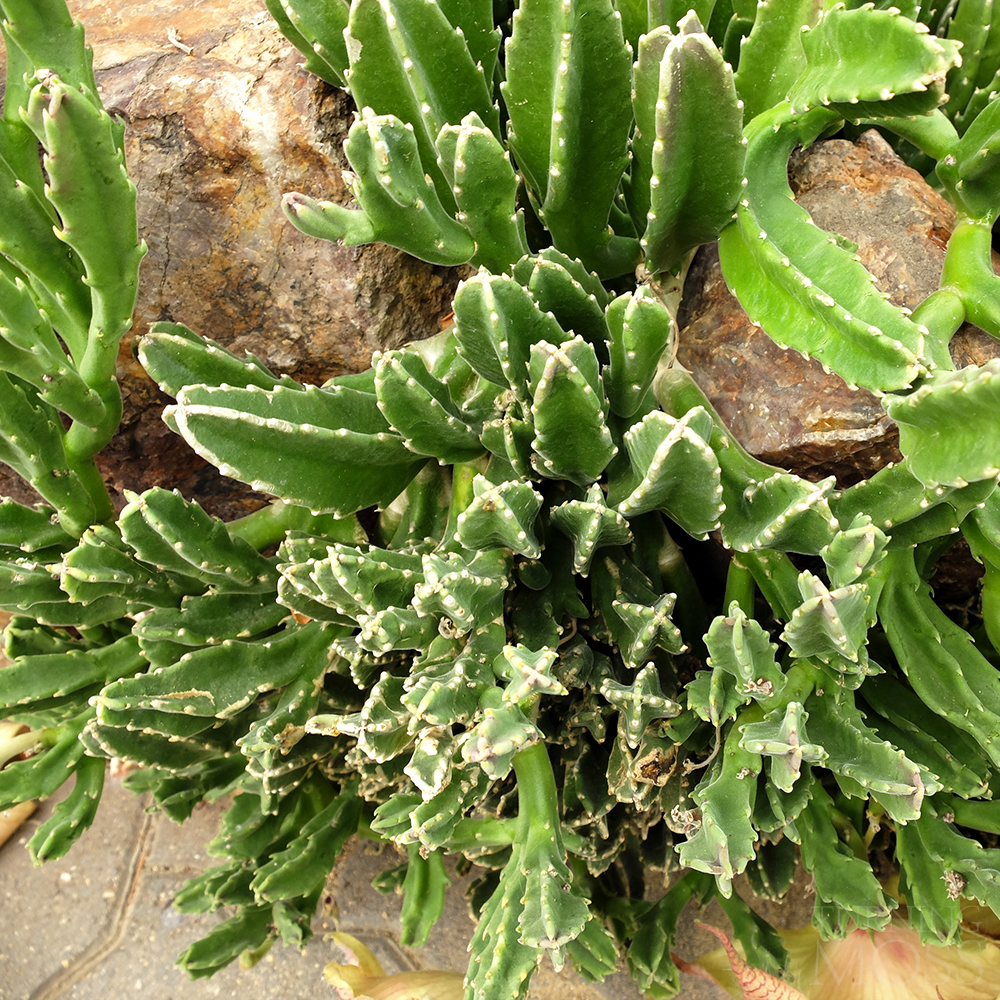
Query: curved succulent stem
[
  {"x": 82, "y": 443},
  {"x": 932, "y": 134},
  {"x": 777, "y": 578},
  {"x": 800, "y": 680},
  {"x": 968, "y": 272},
  {"x": 678, "y": 393},
  {"x": 474, "y": 834},
  {"x": 942, "y": 313},
  {"x": 268, "y": 526},
  {"x": 816, "y": 297},
  {"x": 535, "y": 906}
]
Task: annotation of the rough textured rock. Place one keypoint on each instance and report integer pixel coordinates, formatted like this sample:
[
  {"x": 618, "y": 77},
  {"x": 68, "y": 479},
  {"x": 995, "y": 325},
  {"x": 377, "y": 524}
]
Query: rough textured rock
[
  {"x": 781, "y": 407},
  {"x": 214, "y": 137}
]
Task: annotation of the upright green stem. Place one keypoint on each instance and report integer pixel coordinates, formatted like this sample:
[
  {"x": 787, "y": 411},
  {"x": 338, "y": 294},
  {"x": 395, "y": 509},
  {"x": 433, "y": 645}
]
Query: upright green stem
[
  {"x": 83, "y": 464},
  {"x": 800, "y": 680},
  {"x": 777, "y": 578},
  {"x": 97, "y": 369},
  {"x": 537, "y": 798},
  {"x": 739, "y": 587},
  {"x": 461, "y": 488},
  {"x": 462, "y": 494},
  {"x": 690, "y": 612}
]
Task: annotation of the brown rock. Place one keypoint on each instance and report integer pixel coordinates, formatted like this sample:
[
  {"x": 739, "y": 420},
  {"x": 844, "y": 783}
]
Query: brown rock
[
  {"x": 780, "y": 406},
  {"x": 214, "y": 137}
]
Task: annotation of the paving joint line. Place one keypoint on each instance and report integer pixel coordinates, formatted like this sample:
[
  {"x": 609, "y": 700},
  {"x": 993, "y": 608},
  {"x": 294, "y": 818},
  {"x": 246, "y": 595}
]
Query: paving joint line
[{"x": 113, "y": 928}]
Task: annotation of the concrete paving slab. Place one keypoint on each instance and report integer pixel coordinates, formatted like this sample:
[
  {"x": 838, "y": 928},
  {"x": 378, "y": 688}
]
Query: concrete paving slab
[
  {"x": 99, "y": 923},
  {"x": 57, "y": 912}
]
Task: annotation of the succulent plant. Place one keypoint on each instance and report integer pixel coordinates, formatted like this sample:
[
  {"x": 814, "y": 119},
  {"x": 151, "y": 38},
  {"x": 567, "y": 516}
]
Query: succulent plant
[{"x": 512, "y": 661}]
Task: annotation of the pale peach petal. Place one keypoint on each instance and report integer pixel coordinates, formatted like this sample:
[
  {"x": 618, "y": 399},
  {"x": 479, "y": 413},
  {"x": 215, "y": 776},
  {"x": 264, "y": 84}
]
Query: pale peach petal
[
  {"x": 884, "y": 965},
  {"x": 893, "y": 965},
  {"x": 360, "y": 970}
]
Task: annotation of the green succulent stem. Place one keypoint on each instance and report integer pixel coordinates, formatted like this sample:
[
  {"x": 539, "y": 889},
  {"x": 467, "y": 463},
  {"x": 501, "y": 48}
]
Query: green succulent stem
[
  {"x": 250, "y": 957},
  {"x": 942, "y": 312},
  {"x": 984, "y": 816},
  {"x": 678, "y": 393},
  {"x": 462, "y": 492},
  {"x": 740, "y": 587},
  {"x": 968, "y": 272},
  {"x": 537, "y": 798},
  {"x": 81, "y": 444},
  {"x": 801, "y": 678},
  {"x": 777, "y": 578},
  {"x": 991, "y": 602},
  {"x": 82, "y": 463},
  {"x": 752, "y": 713},
  {"x": 932, "y": 134},
  {"x": 268, "y": 526},
  {"x": 97, "y": 366},
  {"x": 690, "y": 612},
  {"x": 475, "y": 834},
  {"x": 461, "y": 486},
  {"x": 849, "y": 835},
  {"x": 669, "y": 290}
]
